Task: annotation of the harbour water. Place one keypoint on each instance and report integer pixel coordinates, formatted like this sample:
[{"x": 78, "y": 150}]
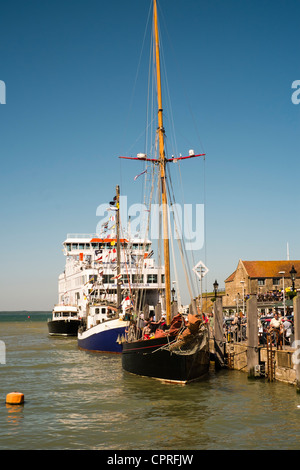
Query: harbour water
[{"x": 76, "y": 400}]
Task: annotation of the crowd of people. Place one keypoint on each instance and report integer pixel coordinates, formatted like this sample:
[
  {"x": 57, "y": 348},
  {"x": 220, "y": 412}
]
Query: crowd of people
[
  {"x": 271, "y": 296},
  {"x": 145, "y": 328},
  {"x": 279, "y": 327}
]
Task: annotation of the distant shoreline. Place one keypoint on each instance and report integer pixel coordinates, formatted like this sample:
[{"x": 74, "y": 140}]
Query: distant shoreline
[{"x": 22, "y": 312}]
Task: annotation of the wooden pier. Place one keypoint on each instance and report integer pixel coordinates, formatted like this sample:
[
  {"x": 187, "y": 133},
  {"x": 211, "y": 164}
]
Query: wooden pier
[{"x": 258, "y": 361}]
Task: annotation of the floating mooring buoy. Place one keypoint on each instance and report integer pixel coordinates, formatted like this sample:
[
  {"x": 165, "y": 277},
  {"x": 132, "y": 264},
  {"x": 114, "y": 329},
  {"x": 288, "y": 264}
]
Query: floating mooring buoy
[{"x": 15, "y": 398}]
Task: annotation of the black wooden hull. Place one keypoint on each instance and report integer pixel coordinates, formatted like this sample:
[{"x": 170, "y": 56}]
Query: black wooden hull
[
  {"x": 148, "y": 358},
  {"x": 63, "y": 327}
]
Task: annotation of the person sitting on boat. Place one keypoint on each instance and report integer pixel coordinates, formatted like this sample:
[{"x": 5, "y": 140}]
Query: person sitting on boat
[
  {"x": 146, "y": 331},
  {"x": 163, "y": 323},
  {"x": 153, "y": 324}
]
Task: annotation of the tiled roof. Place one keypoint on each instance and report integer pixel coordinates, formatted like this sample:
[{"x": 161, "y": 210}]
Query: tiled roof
[
  {"x": 231, "y": 277},
  {"x": 271, "y": 268},
  {"x": 256, "y": 269}
]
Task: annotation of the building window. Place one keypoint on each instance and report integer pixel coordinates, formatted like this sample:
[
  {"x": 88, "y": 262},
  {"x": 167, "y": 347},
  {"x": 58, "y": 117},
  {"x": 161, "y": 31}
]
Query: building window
[
  {"x": 276, "y": 281},
  {"x": 261, "y": 281},
  {"x": 152, "y": 278}
]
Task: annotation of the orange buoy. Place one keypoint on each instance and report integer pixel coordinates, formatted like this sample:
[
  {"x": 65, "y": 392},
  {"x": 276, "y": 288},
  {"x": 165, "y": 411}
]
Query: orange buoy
[{"x": 15, "y": 398}]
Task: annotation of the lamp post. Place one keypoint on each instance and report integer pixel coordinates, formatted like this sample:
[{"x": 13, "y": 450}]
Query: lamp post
[
  {"x": 243, "y": 284},
  {"x": 293, "y": 273},
  {"x": 216, "y": 285},
  {"x": 173, "y": 294},
  {"x": 283, "y": 273}
]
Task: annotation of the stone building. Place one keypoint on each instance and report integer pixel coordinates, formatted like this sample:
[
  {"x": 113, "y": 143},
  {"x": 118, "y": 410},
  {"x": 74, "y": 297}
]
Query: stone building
[{"x": 266, "y": 279}]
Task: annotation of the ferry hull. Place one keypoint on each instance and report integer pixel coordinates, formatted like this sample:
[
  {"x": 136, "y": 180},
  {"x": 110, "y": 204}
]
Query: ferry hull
[
  {"x": 147, "y": 358},
  {"x": 63, "y": 327},
  {"x": 103, "y": 338}
]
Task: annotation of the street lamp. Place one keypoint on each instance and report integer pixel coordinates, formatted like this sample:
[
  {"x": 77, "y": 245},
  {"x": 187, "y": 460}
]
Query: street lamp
[
  {"x": 173, "y": 294},
  {"x": 283, "y": 273},
  {"x": 293, "y": 273},
  {"x": 243, "y": 284},
  {"x": 216, "y": 285}
]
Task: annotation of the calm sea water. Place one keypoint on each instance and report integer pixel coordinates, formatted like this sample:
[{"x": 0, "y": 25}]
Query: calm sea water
[{"x": 81, "y": 401}]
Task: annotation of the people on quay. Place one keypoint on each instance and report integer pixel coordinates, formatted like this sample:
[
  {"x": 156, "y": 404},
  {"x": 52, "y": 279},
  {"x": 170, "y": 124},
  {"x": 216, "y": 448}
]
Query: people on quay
[
  {"x": 236, "y": 323},
  {"x": 288, "y": 331}
]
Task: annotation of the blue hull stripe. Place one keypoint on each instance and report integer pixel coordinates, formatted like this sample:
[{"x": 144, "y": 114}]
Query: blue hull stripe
[{"x": 105, "y": 341}]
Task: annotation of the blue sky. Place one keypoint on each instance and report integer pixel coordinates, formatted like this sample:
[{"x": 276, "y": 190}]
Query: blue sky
[{"x": 70, "y": 68}]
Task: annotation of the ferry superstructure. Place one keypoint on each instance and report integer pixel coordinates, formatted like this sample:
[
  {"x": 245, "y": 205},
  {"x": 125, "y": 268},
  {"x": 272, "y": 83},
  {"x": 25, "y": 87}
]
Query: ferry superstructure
[{"x": 89, "y": 277}]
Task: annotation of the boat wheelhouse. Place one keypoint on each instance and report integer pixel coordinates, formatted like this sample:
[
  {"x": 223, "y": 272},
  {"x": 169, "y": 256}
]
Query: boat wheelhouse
[{"x": 65, "y": 321}]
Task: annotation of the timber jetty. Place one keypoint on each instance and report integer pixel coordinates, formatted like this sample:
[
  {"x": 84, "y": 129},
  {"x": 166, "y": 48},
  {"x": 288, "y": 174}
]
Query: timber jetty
[{"x": 277, "y": 361}]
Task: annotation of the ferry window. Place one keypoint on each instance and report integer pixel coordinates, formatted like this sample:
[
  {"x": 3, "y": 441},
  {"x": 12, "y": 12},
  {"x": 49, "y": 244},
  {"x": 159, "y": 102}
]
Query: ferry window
[
  {"x": 137, "y": 278},
  {"x": 74, "y": 246},
  {"x": 162, "y": 278},
  {"x": 103, "y": 310},
  {"x": 92, "y": 277},
  {"x": 69, "y": 246},
  {"x": 96, "y": 310},
  {"x": 87, "y": 246},
  {"x": 152, "y": 278},
  {"x": 81, "y": 246}
]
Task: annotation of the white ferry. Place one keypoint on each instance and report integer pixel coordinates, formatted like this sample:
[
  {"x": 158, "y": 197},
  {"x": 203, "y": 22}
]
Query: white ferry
[{"x": 90, "y": 282}]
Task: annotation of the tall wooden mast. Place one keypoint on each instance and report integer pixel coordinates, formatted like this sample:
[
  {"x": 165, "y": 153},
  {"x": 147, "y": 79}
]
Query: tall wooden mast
[
  {"x": 162, "y": 162},
  {"x": 119, "y": 298}
]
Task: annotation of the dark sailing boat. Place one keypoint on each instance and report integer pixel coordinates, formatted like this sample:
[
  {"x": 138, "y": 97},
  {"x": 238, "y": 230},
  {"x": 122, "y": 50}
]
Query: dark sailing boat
[{"x": 180, "y": 353}]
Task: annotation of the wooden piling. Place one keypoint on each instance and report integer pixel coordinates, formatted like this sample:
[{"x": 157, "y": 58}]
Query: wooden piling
[
  {"x": 252, "y": 334},
  {"x": 219, "y": 343},
  {"x": 157, "y": 310}
]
